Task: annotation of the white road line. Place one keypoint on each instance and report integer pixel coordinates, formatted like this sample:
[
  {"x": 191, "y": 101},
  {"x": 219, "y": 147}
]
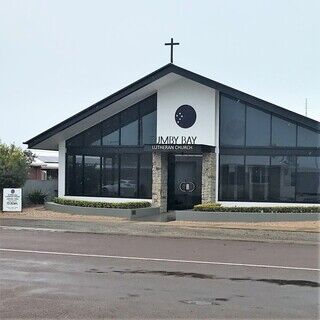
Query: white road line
[{"x": 158, "y": 259}]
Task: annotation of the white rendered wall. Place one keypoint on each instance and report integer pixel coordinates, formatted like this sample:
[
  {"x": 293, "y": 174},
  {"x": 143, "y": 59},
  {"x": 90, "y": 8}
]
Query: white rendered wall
[
  {"x": 200, "y": 97},
  {"x": 62, "y": 168}
]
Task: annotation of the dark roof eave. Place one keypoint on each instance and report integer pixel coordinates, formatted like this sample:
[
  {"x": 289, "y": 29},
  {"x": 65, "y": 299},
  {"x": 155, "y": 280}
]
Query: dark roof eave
[
  {"x": 159, "y": 73},
  {"x": 268, "y": 106}
]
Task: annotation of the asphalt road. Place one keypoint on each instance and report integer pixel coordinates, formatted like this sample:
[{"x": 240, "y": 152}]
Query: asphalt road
[{"x": 77, "y": 275}]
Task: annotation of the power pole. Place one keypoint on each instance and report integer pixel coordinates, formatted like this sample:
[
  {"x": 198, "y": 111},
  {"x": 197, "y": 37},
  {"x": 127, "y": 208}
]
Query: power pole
[{"x": 306, "y": 106}]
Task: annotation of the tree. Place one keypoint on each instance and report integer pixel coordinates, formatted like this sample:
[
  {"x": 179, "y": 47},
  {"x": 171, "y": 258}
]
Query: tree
[{"x": 14, "y": 164}]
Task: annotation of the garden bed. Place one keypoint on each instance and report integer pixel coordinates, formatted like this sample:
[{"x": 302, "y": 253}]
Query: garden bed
[
  {"x": 101, "y": 204},
  {"x": 129, "y": 210},
  {"x": 214, "y": 212},
  {"x": 216, "y": 207}
]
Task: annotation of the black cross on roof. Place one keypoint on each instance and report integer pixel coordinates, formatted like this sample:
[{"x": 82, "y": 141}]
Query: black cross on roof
[{"x": 171, "y": 43}]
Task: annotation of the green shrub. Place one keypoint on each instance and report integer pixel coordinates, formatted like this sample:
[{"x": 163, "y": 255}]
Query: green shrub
[
  {"x": 214, "y": 207},
  {"x": 37, "y": 197},
  {"x": 93, "y": 204},
  {"x": 14, "y": 165}
]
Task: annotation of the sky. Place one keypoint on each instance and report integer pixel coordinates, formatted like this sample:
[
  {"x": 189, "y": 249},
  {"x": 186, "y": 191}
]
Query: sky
[{"x": 58, "y": 57}]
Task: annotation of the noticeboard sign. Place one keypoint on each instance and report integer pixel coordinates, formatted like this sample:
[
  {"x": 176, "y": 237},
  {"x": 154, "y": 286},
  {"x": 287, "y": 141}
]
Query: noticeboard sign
[{"x": 12, "y": 200}]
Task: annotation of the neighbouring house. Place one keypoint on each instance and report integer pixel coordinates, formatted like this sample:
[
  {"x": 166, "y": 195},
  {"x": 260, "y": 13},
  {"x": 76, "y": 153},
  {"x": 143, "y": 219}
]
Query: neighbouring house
[
  {"x": 44, "y": 168},
  {"x": 42, "y": 176},
  {"x": 177, "y": 139}
]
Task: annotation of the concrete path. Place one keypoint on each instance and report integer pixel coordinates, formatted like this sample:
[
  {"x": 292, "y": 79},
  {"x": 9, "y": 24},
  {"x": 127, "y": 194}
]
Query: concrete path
[
  {"x": 91, "y": 276},
  {"x": 154, "y": 229}
]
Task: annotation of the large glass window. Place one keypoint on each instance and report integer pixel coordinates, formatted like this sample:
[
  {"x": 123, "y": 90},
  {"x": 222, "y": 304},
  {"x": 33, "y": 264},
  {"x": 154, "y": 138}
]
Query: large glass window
[
  {"x": 130, "y": 126},
  {"x": 114, "y": 175},
  {"x": 145, "y": 180},
  {"x": 244, "y": 125},
  {"x": 92, "y": 136},
  {"x": 285, "y": 179},
  {"x": 268, "y": 175},
  {"x": 232, "y": 177},
  {"x": 110, "y": 176},
  {"x": 308, "y": 138},
  {"x": 129, "y": 176},
  {"x": 111, "y": 131},
  {"x": 282, "y": 178},
  {"x": 149, "y": 130},
  {"x": 69, "y": 174},
  {"x": 284, "y": 133},
  {"x": 78, "y": 175},
  {"x": 134, "y": 126},
  {"x": 148, "y": 114},
  {"x": 257, "y": 178},
  {"x": 74, "y": 175},
  {"x": 76, "y": 141},
  {"x": 308, "y": 179},
  {"x": 92, "y": 173},
  {"x": 232, "y": 122},
  {"x": 257, "y": 128}
]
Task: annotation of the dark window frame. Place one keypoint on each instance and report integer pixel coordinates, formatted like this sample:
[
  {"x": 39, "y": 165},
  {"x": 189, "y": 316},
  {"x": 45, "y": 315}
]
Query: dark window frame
[
  {"x": 140, "y": 106},
  {"x": 308, "y": 129},
  {"x": 220, "y": 123},
  {"x": 116, "y": 118},
  {"x": 270, "y": 150},
  {"x": 220, "y": 179},
  {"x": 247, "y": 104},
  {"x": 287, "y": 120},
  {"x": 84, "y": 182},
  {"x": 137, "y": 156},
  {"x": 100, "y": 195},
  {"x": 123, "y": 114},
  {"x": 220, "y": 198},
  {"x": 144, "y": 107},
  {"x": 296, "y": 178}
]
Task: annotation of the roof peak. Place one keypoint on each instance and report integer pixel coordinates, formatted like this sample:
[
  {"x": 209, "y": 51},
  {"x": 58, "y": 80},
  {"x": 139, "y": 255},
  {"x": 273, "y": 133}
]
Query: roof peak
[{"x": 159, "y": 73}]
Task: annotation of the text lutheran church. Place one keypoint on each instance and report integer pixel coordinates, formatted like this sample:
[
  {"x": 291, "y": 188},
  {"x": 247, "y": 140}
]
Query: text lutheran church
[{"x": 178, "y": 139}]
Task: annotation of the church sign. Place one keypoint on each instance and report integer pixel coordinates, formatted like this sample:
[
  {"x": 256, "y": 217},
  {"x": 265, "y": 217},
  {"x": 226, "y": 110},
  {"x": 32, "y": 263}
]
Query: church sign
[
  {"x": 178, "y": 144},
  {"x": 175, "y": 144},
  {"x": 12, "y": 200},
  {"x": 172, "y": 147},
  {"x": 185, "y": 140}
]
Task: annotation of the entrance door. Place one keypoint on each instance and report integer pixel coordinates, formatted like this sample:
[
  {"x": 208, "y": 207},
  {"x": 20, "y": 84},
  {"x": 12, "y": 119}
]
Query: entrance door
[{"x": 184, "y": 181}]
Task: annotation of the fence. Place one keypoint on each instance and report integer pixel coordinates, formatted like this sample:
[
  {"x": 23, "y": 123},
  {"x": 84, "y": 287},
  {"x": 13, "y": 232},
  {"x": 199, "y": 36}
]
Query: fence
[{"x": 49, "y": 187}]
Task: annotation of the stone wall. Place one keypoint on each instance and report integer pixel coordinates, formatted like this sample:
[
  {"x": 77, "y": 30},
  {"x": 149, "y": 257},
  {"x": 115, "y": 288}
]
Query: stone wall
[
  {"x": 160, "y": 180},
  {"x": 208, "y": 177}
]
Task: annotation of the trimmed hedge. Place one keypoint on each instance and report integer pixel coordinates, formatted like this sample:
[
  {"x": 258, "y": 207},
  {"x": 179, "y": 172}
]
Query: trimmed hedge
[
  {"x": 92, "y": 204},
  {"x": 216, "y": 207}
]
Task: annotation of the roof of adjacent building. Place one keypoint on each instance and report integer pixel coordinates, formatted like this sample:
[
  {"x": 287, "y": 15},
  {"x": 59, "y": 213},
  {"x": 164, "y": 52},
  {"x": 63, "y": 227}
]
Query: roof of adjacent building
[
  {"x": 45, "y": 162},
  {"x": 48, "y": 159},
  {"x": 158, "y": 74}
]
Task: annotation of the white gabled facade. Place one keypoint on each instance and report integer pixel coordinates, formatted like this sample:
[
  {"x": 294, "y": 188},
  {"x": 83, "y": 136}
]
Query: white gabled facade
[
  {"x": 245, "y": 176},
  {"x": 201, "y": 98}
]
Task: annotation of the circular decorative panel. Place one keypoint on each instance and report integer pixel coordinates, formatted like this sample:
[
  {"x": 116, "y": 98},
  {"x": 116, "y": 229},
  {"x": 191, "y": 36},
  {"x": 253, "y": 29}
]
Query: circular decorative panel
[{"x": 185, "y": 116}]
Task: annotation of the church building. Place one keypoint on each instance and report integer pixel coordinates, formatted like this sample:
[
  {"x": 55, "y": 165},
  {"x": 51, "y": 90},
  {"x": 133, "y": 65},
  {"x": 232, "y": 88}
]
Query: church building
[{"x": 176, "y": 139}]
